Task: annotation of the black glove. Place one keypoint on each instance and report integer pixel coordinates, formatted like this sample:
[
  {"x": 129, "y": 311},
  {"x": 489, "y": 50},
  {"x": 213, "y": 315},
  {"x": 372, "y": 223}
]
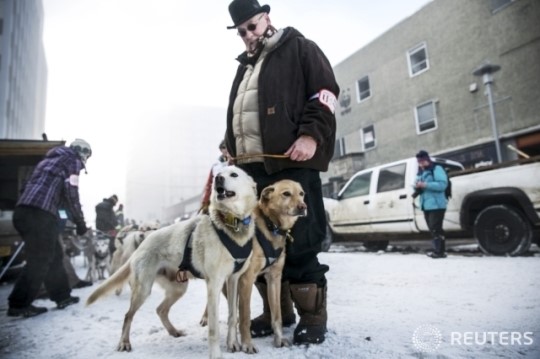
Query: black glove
[{"x": 81, "y": 228}]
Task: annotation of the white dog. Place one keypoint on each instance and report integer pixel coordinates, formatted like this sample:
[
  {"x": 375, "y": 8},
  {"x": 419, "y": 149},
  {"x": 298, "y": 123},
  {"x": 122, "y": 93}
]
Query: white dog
[
  {"x": 125, "y": 247},
  {"x": 208, "y": 239},
  {"x": 127, "y": 241}
]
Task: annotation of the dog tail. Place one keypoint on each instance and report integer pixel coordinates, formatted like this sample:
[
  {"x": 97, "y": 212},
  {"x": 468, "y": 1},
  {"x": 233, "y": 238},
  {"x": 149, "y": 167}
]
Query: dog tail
[{"x": 117, "y": 280}]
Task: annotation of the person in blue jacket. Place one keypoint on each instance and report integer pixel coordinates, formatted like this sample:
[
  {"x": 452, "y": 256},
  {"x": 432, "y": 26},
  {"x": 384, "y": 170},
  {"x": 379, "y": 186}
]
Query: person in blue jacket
[{"x": 431, "y": 183}]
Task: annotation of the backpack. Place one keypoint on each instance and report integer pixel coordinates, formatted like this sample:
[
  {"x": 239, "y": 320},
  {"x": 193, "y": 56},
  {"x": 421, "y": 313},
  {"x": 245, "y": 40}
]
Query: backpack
[{"x": 448, "y": 189}]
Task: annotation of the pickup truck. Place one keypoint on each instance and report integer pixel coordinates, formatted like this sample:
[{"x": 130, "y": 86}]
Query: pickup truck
[{"x": 499, "y": 205}]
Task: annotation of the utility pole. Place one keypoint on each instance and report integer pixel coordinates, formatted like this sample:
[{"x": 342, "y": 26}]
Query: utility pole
[{"x": 485, "y": 71}]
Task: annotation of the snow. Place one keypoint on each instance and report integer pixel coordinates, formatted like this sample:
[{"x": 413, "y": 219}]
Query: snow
[{"x": 376, "y": 302}]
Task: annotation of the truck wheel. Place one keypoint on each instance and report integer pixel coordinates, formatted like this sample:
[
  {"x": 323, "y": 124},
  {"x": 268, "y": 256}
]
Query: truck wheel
[
  {"x": 502, "y": 230},
  {"x": 375, "y": 246},
  {"x": 328, "y": 239}
]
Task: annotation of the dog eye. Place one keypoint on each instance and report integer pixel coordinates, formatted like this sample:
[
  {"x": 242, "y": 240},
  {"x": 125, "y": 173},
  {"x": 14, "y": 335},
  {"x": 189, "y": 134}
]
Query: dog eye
[
  {"x": 287, "y": 194},
  {"x": 302, "y": 194},
  {"x": 234, "y": 174}
]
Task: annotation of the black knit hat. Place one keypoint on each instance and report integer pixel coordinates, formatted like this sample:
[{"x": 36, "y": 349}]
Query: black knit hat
[
  {"x": 423, "y": 155},
  {"x": 243, "y": 10}
]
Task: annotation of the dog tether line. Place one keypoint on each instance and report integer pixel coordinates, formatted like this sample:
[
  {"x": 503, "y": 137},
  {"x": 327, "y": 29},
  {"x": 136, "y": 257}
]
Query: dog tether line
[{"x": 248, "y": 156}]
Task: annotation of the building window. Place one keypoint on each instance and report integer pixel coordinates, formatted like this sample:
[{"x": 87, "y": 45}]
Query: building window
[
  {"x": 339, "y": 148},
  {"x": 418, "y": 60},
  {"x": 426, "y": 119},
  {"x": 368, "y": 137},
  {"x": 363, "y": 89},
  {"x": 498, "y": 5},
  {"x": 1, "y": 26}
]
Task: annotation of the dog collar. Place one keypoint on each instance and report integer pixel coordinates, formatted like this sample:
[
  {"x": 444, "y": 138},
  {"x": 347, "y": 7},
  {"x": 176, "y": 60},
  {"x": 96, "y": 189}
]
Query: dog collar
[
  {"x": 274, "y": 228},
  {"x": 234, "y": 222}
]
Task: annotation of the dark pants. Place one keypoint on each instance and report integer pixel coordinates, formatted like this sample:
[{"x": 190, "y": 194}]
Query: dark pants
[
  {"x": 434, "y": 220},
  {"x": 301, "y": 264},
  {"x": 39, "y": 230}
]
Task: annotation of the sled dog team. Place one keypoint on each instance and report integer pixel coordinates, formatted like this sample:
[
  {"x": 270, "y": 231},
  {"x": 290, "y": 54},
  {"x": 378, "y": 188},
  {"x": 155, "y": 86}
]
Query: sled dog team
[{"x": 241, "y": 238}]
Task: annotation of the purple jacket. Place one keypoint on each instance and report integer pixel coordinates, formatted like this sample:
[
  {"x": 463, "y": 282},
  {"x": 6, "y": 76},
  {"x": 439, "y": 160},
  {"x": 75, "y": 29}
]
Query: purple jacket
[{"x": 54, "y": 184}]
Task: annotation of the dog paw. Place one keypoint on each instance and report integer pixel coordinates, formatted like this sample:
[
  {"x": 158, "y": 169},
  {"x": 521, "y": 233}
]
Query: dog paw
[
  {"x": 204, "y": 321},
  {"x": 250, "y": 348},
  {"x": 177, "y": 333},
  {"x": 234, "y": 347},
  {"x": 124, "y": 347},
  {"x": 281, "y": 342}
]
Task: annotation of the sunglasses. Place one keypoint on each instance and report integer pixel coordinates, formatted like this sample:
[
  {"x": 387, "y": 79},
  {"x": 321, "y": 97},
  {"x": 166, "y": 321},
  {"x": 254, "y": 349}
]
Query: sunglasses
[{"x": 251, "y": 27}]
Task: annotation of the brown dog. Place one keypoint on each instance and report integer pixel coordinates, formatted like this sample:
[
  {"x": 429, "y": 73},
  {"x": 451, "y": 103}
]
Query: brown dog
[{"x": 280, "y": 205}]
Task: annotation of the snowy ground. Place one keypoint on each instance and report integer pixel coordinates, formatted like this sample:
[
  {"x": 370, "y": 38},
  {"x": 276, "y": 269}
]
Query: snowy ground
[{"x": 461, "y": 307}]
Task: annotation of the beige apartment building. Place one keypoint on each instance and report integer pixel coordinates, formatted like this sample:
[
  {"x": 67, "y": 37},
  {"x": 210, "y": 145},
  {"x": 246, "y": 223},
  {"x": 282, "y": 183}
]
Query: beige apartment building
[{"x": 415, "y": 87}]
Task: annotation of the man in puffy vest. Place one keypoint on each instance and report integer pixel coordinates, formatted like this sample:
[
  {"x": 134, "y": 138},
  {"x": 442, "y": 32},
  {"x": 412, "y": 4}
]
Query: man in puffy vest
[
  {"x": 54, "y": 182},
  {"x": 281, "y": 125}
]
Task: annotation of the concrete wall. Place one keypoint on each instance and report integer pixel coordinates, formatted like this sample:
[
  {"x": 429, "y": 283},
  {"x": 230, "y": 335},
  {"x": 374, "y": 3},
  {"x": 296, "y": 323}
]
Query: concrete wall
[{"x": 459, "y": 35}]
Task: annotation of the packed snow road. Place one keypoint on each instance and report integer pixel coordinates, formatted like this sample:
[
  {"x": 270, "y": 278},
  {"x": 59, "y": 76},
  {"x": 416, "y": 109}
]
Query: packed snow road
[{"x": 380, "y": 305}]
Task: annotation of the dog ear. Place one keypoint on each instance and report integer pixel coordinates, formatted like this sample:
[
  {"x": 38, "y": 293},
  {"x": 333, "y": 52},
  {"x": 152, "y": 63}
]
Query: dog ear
[{"x": 265, "y": 195}]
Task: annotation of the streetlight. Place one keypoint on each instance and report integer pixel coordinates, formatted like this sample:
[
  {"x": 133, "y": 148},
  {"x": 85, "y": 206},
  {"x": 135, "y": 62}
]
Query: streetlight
[{"x": 486, "y": 72}]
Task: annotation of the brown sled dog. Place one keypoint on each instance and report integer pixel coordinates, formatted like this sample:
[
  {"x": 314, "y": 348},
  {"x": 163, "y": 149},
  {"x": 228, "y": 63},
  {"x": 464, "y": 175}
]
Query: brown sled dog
[{"x": 279, "y": 207}]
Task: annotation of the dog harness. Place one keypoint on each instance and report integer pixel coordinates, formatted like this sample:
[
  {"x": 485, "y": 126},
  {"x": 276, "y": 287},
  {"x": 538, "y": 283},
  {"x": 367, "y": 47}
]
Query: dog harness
[
  {"x": 270, "y": 253},
  {"x": 240, "y": 255},
  {"x": 187, "y": 263}
]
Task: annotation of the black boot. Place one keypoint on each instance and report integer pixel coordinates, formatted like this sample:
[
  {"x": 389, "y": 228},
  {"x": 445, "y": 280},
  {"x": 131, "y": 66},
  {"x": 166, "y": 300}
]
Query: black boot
[
  {"x": 61, "y": 304},
  {"x": 262, "y": 325},
  {"x": 439, "y": 246},
  {"x": 310, "y": 302},
  {"x": 26, "y": 312}
]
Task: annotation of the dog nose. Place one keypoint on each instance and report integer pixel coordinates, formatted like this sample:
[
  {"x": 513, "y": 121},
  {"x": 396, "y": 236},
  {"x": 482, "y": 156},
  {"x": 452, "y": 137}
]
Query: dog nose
[
  {"x": 220, "y": 180},
  {"x": 302, "y": 209}
]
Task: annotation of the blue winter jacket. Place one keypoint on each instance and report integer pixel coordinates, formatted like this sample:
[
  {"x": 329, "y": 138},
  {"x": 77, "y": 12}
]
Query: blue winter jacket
[{"x": 433, "y": 196}]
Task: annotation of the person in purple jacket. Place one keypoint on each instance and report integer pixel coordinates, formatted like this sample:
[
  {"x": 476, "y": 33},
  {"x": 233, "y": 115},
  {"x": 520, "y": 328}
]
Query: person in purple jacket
[{"x": 54, "y": 183}]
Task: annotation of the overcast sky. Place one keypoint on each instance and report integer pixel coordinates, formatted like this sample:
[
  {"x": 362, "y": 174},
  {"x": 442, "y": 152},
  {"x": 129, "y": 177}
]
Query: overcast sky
[{"x": 113, "y": 63}]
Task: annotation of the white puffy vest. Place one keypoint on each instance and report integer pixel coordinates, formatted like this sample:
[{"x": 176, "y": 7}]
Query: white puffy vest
[{"x": 246, "y": 125}]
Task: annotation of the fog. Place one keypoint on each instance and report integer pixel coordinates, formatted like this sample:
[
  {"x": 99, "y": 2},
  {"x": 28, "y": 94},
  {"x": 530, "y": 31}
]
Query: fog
[
  {"x": 147, "y": 83},
  {"x": 170, "y": 159}
]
